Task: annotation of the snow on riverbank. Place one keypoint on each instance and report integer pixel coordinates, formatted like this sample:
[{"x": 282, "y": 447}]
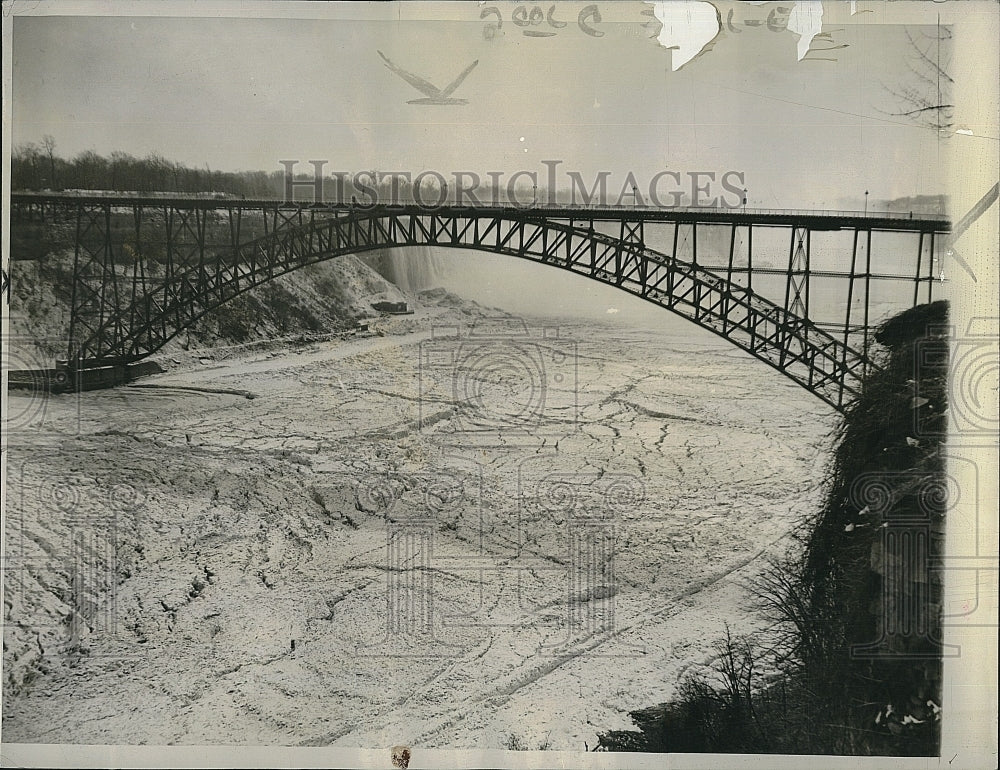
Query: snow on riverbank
[{"x": 265, "y": 588}]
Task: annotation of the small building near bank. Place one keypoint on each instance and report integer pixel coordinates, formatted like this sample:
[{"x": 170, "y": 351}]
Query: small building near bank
[{"x": 396, "y": 308}]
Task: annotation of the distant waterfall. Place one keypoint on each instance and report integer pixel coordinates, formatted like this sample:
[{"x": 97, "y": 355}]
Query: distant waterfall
[{"x": 412, "y": 269}]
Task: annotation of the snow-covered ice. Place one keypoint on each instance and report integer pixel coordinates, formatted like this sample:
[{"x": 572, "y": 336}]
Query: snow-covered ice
[{"x": 351, "y": 557}]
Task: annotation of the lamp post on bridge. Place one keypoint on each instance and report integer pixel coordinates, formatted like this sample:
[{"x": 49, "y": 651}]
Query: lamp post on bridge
[
  {"x": 866, "y": 203},
  {"x": 744, "y": 200}
]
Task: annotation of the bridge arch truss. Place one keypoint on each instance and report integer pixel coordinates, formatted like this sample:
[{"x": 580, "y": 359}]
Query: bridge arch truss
[{"x": 146, "y": 270}]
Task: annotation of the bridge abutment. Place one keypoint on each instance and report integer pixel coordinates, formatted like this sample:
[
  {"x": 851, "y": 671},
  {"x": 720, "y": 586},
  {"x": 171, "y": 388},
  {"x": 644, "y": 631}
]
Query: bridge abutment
[{"x": 63, "y": 378}]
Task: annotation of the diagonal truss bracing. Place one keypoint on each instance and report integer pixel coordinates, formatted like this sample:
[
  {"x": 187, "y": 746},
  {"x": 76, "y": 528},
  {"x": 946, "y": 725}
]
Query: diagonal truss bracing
[{"x": 145, "y": 270}]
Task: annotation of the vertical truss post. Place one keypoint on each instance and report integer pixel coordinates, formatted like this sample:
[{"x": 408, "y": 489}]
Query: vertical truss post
[
  {"x": 694, "y": 261},
  {"x": 632, "y": 241},
  {"x": 732, "y": 253},
  {"x": 850, "y": 301},
  {"x": 95, "y": 283},
  {"x": 168, "y": 266},
  {"x": 785, "y": 307},
  {"x": 672, "y": 270},
  {"x": 727, "y": 295},
  {"x": 233, "y": 217},
  {"x": 868, "y": 296},
  {"x": 916, "y": 277},
  {"x": 138, "y": 273},
  {"x": 808, "y": 273},
  {"x": 109, "y": 299},
  {"x": 312, "y": 227},
  {"x": 930, "y": 270},
  {"x": 73, "y": 306},
  {"x": 180, "y": 253},
  {"x": 200, "y": 217},
  {"x": 619, "y": 248},
  {"x": 643, "y": 275},
  {"x": 752, "y": 319},
  {"x": 103, "y": 291},
  {"x": 796, "y": 308},
  {"x": 593, "y": 249},
  {"x": 569, "y": 239}
]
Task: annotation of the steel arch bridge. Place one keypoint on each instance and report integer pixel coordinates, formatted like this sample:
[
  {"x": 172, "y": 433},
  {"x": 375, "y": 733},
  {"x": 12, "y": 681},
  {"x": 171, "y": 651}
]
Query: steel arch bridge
[{"x": 147, "y": 268}]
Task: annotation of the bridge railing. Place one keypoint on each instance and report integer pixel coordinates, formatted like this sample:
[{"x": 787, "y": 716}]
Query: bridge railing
[
  {"x": 472, "y": 201},
  {"x": 741, "y": 210}
]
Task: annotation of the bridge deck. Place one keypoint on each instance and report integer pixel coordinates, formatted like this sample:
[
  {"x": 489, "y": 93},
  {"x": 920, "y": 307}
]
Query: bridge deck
[{"x": 812, "y": 219}]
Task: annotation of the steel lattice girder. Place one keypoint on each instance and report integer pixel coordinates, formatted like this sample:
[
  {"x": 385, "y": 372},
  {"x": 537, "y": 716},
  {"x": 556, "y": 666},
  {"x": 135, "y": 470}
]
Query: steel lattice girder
[
  {"x": 120, "y": 317},
  {"x": 808, "y": 355}
]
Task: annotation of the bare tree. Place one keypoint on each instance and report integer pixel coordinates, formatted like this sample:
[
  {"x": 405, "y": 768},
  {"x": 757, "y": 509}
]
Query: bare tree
[
  {"x": 22, "y": 166},
  {"x": 89, "y": 170},
  {"x": 120, "y": 162},
  {"x": 926, "y": 99},
  {"x": 49, "y": 145}
]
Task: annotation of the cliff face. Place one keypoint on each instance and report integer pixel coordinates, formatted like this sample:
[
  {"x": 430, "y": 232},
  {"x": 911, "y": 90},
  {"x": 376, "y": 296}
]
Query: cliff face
[
  {"x": 868, "y": 562},
  {"x": 857, "y": 653},
  {"x": 325, "y": 297}
]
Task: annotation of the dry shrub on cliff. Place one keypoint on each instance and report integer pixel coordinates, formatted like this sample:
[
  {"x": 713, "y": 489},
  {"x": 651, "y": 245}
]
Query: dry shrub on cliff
[{"x": 858, "y": 613}]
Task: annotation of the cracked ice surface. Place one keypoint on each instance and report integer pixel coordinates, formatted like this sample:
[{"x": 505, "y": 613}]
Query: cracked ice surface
[{"x": 447, "y": 580}]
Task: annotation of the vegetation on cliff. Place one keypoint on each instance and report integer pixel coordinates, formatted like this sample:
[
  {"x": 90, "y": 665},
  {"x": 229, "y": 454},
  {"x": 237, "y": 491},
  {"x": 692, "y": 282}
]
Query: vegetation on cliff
[{"x": 852, "y": 664}]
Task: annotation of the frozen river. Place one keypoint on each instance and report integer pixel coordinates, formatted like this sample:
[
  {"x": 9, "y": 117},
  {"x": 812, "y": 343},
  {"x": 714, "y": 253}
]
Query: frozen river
[{"x": 514, "y": 537}]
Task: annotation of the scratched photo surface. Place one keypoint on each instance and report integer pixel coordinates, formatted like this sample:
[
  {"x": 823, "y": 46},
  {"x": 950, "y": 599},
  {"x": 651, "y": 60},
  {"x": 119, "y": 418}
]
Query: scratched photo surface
[{"x": 506, "y": 377}]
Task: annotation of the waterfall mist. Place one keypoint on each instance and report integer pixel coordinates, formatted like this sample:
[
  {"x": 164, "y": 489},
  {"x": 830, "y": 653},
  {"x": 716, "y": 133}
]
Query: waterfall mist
[
  {"x": 413, "y": 269},
  {"x": 516, "y": 286}
]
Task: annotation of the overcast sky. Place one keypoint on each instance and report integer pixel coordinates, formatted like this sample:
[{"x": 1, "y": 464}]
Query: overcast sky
[{"x": 244, "y": 93}]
